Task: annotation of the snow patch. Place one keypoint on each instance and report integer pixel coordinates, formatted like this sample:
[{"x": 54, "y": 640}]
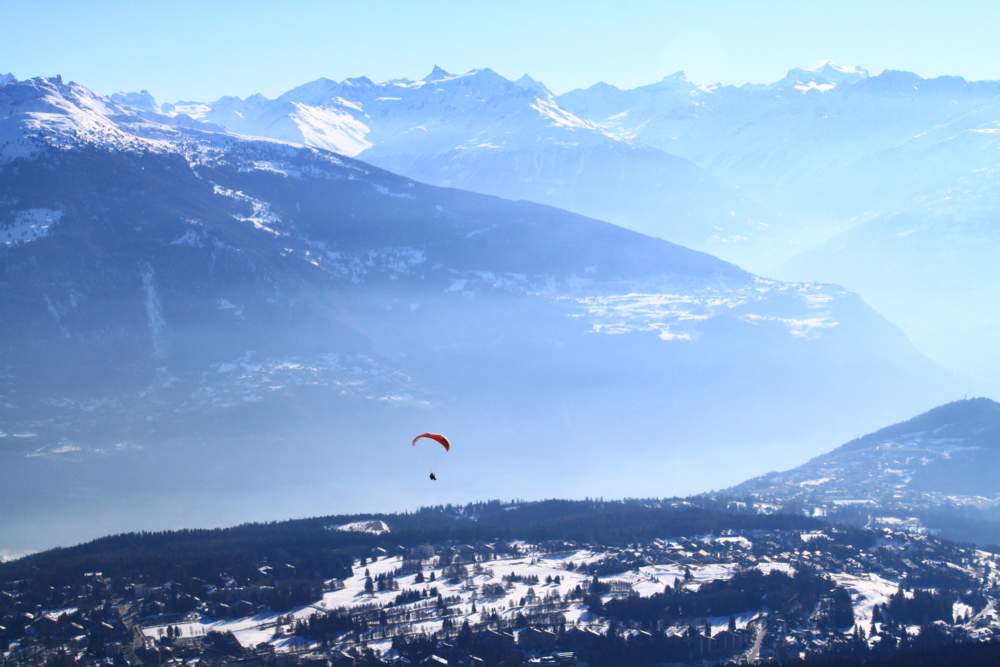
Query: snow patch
[
  {"x": 373, "y": 527},
  {"x": 331, "y": 129},
  {"x": 154, "y": 312},
  {"x": 29, "y": 225}
]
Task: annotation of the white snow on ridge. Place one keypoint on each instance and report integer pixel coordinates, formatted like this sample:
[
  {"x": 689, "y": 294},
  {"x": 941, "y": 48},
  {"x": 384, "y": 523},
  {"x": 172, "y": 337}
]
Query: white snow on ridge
[
  {"x": 373, "y": 527},
  {"x": 64, "y": 115},
  {"x": 7, "y": 555},
  {"x": 29, "y": 225},
  {"x": 812, "y": 85},
  {"x": 560, "y": 117},
  {"x": 332, "y": 129},
  {"x": 275, "y": 168},
  {"x": 843, "y": 69},
  {"x": 262, "y": 218},
  {"x": 194, "y": 110}
]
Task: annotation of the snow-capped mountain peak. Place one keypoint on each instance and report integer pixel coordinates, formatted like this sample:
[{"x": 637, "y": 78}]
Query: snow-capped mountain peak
[
  {"x": 442, "y": 112},
  {"x": 47, "y": 111},
  {"x": 828, "y": 65},
  {"x": 535, "y": 86},
  {"x": 437, "y": 74},
  {"x": 822, "y": 78},
  {"x": 677, "y": 78},
  {"x": 142, "y": 100}
]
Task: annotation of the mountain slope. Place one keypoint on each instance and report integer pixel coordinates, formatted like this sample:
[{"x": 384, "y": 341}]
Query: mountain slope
[
  {"x": 929, "y": 266},
  {"x": 193, "y": 316},
  {"x": 941, "y": 463}
]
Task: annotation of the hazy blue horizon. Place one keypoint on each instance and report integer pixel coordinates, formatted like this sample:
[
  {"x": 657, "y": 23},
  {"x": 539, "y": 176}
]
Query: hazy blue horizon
[{"x": 190, "y": 50}]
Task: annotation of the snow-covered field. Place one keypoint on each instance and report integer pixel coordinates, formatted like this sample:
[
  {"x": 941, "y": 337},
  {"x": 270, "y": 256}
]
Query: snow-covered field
[
  {"x": 866, "y": 592},
  {"x": 645, "y": 581},
  {"x": 806, "y": 311}
]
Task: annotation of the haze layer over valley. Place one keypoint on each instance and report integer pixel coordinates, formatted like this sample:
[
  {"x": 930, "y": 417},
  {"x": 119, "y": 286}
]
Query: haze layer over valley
[{"x": 207, "y": 328}]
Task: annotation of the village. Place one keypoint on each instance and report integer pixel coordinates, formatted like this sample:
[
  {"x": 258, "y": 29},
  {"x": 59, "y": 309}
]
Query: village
[{"x": 694, "y": 600}]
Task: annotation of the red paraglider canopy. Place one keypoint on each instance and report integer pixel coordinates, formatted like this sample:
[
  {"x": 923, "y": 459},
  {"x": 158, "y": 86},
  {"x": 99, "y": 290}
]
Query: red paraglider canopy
[{"x": 436, "y": 437}]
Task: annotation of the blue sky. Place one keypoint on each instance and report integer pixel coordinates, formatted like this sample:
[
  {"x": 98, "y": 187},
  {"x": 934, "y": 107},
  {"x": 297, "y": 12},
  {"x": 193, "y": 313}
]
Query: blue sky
[{"x": 202, "y": 50}]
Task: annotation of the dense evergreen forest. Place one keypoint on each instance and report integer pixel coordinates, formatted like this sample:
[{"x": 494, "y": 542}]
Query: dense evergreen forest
[{"x": 317, "y": 549}]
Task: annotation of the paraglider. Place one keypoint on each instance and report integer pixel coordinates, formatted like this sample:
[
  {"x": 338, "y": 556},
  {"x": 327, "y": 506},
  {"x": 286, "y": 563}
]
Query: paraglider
[{"x": 438, "y": 438}]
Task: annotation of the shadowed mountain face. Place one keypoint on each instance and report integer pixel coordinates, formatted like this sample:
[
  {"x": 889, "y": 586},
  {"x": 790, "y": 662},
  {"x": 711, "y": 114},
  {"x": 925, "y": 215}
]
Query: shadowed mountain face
[
  {"x": 191, "y": 317},
  {"x": 941, "y": 466}
]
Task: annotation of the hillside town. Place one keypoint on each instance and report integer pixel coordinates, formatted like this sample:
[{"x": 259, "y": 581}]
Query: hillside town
[{"x": 733, "y": 596}]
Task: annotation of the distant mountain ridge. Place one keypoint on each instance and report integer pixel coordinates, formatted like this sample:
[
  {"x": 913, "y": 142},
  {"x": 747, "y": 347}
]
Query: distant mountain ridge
[{"x": 479, "y": 131}]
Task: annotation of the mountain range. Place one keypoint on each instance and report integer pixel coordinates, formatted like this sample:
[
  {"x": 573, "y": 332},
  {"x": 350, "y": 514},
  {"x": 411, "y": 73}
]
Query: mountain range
[
  {"x": 876, "y": 182},
  {"x": 196, "y": 319},
  {"x": 479, "y": 131}
]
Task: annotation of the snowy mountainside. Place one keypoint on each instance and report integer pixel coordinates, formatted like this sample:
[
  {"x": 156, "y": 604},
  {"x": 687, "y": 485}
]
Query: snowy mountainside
[
  {"x": 768, "y": 156},
  {"x": 46, "y": 112},
  {"x": 479, "y": 131},
  {"x": 941, "y": 463},
  {"x": 173, "y": 288}
]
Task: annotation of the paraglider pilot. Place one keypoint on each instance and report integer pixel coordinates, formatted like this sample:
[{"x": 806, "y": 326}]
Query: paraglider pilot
[{"x": 438, "y": 438}]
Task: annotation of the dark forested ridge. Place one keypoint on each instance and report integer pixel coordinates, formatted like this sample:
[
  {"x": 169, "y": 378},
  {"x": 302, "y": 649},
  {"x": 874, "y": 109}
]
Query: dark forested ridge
[{"x": 315, "y": 543}]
